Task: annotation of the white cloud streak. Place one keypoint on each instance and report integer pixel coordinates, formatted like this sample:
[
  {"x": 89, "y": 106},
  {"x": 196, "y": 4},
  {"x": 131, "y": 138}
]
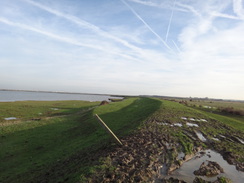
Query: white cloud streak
[
  {"x": 223, "y": 15},
  {"x": 140, "y": 18},
  {"x": 189, "y": 8},
  {"x": 171, "y": 16},
  {"x": 62, "y": 38},
  {"x": 176, "y": 46},
  {"x": 85, "y": 24},
  {"x": 162, "y": 5}
]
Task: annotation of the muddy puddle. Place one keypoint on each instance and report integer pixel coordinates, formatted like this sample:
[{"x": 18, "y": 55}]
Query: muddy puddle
[
  {"x": 185, "y": 172},
  {"x": 240, "y": 140},
  {"x": 178, "y": 124},
  {"x": 200, "y": 136},
  {"x": 10, "y": 118},
  {"x": 216, "y": 139},
  {"x": 192, "y": 124},
  {"x": 54, "y": 109}
]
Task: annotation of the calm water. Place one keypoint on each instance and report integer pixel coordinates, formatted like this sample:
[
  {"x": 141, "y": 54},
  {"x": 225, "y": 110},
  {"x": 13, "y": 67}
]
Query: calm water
[{"x": 8, "y": 96}]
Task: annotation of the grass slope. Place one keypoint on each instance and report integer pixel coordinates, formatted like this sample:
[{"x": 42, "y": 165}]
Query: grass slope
[
  {"x": 59, "y": 141},
  {"x": 60, "y": 144}
]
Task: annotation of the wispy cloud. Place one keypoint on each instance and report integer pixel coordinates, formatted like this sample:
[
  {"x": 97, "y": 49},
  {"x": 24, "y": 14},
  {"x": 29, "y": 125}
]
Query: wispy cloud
[
  {"x": 223, "y": 15},
  {"x": 84, "y": 24},
  {"x": 189, "y": 8},
  {"x": 127, "y": 50},
  {"x": 158, "y": 4},
  {"x": 63, "y": 38},
  {"x": 141, "y": 19},
  {"x": 238, "y": 8}
]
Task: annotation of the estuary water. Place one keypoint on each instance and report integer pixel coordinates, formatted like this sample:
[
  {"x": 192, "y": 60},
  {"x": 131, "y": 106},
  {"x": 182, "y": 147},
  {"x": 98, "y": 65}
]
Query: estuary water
[{"x": 10, "y": 96}]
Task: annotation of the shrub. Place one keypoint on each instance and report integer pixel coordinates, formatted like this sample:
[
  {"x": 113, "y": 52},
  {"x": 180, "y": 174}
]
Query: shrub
[{"x": 231, "y": 110}]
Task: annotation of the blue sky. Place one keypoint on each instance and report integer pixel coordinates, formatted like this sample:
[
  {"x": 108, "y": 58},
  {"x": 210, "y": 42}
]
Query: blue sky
[{"x": 156, "y": 47}]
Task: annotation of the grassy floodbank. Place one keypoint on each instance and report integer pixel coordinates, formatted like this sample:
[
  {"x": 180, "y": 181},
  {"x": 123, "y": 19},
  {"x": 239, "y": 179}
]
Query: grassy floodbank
[
  {"x": 65, "y": 142},
  {"x": 165, "y": 135},
  {"x": 54, "y": 141}
]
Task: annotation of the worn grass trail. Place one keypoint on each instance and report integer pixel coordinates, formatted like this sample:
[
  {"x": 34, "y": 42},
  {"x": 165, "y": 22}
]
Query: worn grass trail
[{"x": 60, "y": 145}]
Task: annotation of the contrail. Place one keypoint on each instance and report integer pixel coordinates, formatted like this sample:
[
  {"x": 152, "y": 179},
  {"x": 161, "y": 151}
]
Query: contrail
[
  {"x": 189, "y": 8},
  {"x": 176, "y": 46},
  {"x": 85, "y": 24},
  {"x": 139, "y": 17},
  {"x": 172, "y": 13},
  {"x": 217, "y": 14},
  {"x": 62, "y": 38},
  {"x": 48, "y": 34}
]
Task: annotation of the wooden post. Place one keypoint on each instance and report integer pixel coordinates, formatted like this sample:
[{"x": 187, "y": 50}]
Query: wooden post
[{"x": 108, "y": 129}]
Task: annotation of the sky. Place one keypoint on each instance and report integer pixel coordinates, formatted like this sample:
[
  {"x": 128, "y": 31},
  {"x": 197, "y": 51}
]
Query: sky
[{"x": 184, "y": 48}]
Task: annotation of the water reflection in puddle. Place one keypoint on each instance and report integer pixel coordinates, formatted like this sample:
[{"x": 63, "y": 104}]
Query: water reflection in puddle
[
  {"x": 222, "y": 136},
  {"x": 185, "y": 172},
  {"x": 10, "y": 118},
  {"x": 184, "y": 118},
  {"x": 159, "y": 123},
  {"x": 55, "y": 109},
  {"x": 204, "y": 120},
  {"x": 192, "y": 124},
  {"x": 241, "y": 141},
  {"x": 200, "y": 136},
  {"x": 181, "y": 156},
  {"x": 177, "y": 124},
  {"x": 216, "y": 139},
  {"x": 167, "y": 124}
]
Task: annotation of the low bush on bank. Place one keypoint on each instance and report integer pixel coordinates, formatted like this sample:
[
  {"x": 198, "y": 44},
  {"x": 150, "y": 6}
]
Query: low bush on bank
[{"x": 231, "y": 110}]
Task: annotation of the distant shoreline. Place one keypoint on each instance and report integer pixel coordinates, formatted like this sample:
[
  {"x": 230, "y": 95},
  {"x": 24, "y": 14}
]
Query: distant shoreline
[
  {"x": 114, "y": 95},
  {"x": 62, "y": 92}
]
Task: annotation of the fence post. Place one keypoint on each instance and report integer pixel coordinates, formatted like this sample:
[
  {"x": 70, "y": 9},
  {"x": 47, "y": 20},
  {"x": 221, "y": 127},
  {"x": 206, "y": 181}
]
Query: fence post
[{"x": 108, "y": 129}]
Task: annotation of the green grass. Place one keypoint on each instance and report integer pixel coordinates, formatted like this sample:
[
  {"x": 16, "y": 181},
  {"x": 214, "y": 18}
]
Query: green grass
[
  {"x": 217, "y": 104},
  {"x": 235, "y": 122},
  {"x": 37, "y": 109},
  {"x": 65, "y": 144},
  {"x": 62, "y": 146},
  {"x": 186, "y": 143},
  {"x": 171, "y": 112}
]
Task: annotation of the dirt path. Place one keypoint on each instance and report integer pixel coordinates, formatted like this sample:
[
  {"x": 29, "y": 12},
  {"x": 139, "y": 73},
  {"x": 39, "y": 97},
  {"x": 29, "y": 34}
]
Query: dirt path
[{"x": 151, "y": 152}]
